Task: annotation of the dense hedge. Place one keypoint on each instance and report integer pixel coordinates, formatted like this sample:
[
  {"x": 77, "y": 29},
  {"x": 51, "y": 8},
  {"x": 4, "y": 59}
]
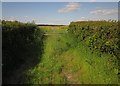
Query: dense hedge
[
  {"x": 103, "y": 36},
  {"x": 20, "y": 41}
]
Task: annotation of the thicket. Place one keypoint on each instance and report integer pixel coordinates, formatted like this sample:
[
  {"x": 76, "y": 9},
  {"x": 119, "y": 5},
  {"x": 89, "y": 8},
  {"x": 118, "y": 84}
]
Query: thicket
[
  {"x": 102, "y": 36},
  {"x": 20, "y": 42}
]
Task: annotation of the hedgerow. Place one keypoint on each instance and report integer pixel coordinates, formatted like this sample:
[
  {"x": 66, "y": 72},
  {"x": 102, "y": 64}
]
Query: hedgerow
[
  {"x": 102, "y": 36},
  {"x": 20, "y": 42}
]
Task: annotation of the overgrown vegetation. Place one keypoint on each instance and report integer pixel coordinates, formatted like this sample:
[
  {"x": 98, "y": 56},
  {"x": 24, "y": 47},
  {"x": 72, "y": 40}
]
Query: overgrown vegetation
[
  {"x": 103, "y": 36},
  {"x": 69, "y": 59},
  {"x": 82, "y": 53},
  {"x": 20, "y": 42}
]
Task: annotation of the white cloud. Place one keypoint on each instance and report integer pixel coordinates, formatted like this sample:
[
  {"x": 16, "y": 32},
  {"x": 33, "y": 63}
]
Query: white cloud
[
  {"x": 26, "y": 18},
  {"x": 70, "y": 7},
  {"x": 89, "y": 19},
  {"x": 82, "y": 19},
  {"x": 103, "y": 1},
  {"x": 11, "y": 18},
  {"x": 105, "y": 12},
  {"x": 57, "y": 20},
  {"x": 93, "y": 0}
]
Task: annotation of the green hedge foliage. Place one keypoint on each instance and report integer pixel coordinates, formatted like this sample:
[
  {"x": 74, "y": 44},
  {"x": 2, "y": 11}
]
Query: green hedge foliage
[
  {"x": 20, "y": 41},
  {"x": 103, "y": 36}
]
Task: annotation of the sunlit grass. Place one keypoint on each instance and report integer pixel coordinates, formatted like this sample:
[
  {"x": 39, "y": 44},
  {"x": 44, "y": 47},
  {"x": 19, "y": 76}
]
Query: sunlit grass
[{"x": 66, "y": 62}]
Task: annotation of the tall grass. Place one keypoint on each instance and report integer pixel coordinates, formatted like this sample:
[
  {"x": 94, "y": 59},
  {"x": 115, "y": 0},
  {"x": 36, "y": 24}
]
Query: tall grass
[
  {"x": 65, "y": 61},
  {"x": 67, "y": 58}
]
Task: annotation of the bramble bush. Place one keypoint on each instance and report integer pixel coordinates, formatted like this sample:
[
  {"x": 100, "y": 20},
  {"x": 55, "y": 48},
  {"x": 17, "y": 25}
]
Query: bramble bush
[{"x": 102, "y": 36}]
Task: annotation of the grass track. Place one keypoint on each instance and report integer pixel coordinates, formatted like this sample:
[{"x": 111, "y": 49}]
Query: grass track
[{"x": 65, "y": 62}]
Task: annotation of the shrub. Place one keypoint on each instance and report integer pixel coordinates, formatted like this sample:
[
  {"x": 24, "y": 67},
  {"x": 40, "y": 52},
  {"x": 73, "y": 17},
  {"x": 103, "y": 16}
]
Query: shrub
[
  {"x": 20, "y": 41},
  {"x": 98, "y": 35}
]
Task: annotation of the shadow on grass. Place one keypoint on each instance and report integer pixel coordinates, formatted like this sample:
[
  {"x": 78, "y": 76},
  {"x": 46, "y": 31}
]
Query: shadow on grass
[{"x": 14, "y": 73}]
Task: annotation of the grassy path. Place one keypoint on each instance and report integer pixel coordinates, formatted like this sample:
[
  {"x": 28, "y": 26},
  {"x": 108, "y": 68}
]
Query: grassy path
[{"x": 64, "y": 63}]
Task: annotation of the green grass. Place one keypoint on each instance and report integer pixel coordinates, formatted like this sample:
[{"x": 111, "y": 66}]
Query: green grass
[
  {"x": 66, "y": 62},
  {"x": 54, "y": 29}
]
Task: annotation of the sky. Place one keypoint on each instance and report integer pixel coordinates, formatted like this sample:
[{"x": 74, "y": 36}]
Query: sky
[
  {"x": 59, "y": 12},
  {"x": 60, "y": 0}
]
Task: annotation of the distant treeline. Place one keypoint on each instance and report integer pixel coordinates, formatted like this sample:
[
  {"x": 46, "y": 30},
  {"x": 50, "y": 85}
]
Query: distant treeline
[{"x": 49, "y": 25}]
